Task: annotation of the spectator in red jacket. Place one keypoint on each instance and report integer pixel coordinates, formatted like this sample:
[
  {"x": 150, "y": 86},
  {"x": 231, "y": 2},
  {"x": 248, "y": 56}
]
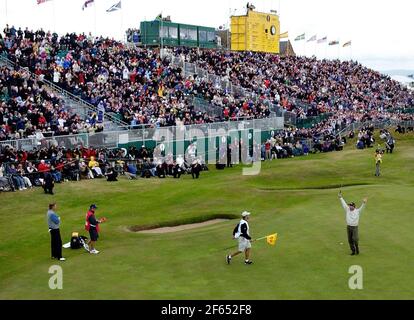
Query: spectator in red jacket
[{"x": 43, "y": 167}]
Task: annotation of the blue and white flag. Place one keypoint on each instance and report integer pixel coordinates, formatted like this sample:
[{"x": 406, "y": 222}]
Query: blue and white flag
[
  {"x": 87, "y": 4},
  {"x": 115, "y": 7}
]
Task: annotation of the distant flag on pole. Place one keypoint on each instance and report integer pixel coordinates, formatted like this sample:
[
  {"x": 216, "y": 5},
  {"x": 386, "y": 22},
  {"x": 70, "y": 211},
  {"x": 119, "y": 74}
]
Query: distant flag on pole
[
  {"x": 284, "y": 35},
  {"x": 347, "y": 44},
  {"x": 87, "y": 4},
  {"x": 272, "y": 239},
  {"x": 42, "y": 1},
  {"x": 324, "y": 39},
  {"x": 300, "y": 37},
  {"x": 115, "y": 7},
  {"x": 159, "y": 17},
  {"x": 313, "y": 38},
  {"x": 333, "y": 43}
]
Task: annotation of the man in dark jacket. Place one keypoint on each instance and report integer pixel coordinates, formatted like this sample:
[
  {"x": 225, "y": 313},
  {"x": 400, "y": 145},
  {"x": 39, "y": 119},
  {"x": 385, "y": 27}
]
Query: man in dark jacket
[
  {"x": 49, "y": 183},
  {"x": 196, "y": 169}
]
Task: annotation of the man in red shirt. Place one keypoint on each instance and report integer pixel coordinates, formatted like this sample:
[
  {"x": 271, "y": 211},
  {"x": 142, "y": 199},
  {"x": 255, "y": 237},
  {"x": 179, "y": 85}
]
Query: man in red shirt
[{"x": 92, "y": 225}]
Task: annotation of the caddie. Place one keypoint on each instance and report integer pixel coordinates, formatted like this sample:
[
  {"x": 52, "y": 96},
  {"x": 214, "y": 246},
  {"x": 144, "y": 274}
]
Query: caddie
[{"x": 242, "y": 233}]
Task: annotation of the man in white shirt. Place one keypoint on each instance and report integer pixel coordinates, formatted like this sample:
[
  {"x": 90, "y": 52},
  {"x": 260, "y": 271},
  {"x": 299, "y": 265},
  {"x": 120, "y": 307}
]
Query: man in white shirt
[{"x": 352, "y": 220}]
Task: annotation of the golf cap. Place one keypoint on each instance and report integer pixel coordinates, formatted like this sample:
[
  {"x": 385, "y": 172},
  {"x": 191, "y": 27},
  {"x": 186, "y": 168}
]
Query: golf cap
[
  {"x": 245, "y": 214},
  {"x": 93, "y": 206}
]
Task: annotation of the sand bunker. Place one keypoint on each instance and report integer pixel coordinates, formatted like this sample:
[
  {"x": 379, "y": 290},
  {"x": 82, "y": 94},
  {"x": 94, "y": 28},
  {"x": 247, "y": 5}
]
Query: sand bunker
[{"x": 181, "y": 227}]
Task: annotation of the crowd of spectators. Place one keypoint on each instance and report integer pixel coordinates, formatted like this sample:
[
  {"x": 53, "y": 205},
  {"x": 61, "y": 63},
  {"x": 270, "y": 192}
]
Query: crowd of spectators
[
  {"x": 20, "y": 170},
  {"x": 324, "y": 85},
  {"x": 135, "y": 83},
  {"x": 28, "y": 107},
  {"x": 142, "y": 88}
]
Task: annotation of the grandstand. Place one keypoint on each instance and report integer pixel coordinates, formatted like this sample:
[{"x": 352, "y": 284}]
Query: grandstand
[{"x": 173, "y": 136}]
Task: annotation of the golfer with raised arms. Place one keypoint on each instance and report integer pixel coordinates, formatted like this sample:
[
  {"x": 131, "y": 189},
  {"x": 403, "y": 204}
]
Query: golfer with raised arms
[
  {"x": 242, "y": 234},
  {"x": 352, "y": 220}
]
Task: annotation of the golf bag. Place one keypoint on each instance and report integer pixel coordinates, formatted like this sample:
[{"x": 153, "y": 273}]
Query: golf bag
[{"x": 77, "y": 241}]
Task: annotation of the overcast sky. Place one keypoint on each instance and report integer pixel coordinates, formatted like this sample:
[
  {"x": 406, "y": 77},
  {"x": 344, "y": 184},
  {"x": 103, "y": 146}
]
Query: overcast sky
[{"x": 381, "y": 31}]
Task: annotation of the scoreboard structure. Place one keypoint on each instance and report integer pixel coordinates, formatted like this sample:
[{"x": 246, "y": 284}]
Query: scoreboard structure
[{"x": 255, "y": 31}]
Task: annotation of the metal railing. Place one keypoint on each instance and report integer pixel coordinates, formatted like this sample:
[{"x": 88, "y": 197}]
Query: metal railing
[
  {"x": 111, "y": 139},
  {"x": 384, "y": 124}
]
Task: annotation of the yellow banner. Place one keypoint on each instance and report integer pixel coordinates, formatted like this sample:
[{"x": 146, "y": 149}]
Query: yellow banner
[{"x": 272, "y": 239}]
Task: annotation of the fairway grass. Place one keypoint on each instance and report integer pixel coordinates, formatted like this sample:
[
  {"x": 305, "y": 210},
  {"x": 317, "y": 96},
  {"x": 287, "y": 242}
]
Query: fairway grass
[{"x": 297, "y": 198}]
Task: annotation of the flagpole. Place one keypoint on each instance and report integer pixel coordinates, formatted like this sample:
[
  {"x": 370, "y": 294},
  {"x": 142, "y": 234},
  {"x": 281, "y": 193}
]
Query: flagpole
[
  {"x": 7, "y": 16},
  {"x": 339, "y": 48},
  {"x": 350, "y": 47},
  {"x": 304, "y": 47},
  {"x": 122, "y": 23},
  {"x": 95, "y": 20},
  {"x": 145, "y": 33},
  {"x": 54, "y": 15}
]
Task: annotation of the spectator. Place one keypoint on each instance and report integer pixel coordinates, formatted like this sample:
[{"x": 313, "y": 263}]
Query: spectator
[
  {"x": 53, "y": 221},
  {"x": 49, "y": 183}
]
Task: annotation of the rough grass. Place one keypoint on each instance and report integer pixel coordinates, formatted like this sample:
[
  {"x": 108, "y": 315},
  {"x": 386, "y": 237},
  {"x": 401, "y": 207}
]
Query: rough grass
[{"x": 300, "y": 204}]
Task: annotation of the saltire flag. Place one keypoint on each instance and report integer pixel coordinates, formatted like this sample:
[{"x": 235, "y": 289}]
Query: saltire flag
[
  {"x": 284, "y": 35},
  {"x": 324, "y": 39},
  {"x": 115, "y": 7},
  {"x": 333, "y": 43},
  {"x": 42, "y": 1},
  {"x": 313, "y": 38},
  {"x": 272, "y": 239},
  {"x": 87, "y": 4},
  {"x": 159, "y": 17},
  {"x": 347, "y": 44},
  {"x": 300, "y": 37}
]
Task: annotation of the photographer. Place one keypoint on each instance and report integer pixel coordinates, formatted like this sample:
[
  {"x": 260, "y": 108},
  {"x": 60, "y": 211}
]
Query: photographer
[{"x": 196, "y": 169}]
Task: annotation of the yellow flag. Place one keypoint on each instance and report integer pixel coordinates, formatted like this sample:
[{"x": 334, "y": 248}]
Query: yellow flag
[
  {"x": 284, "y": 35},
  {"x": 271, "y": 239}
]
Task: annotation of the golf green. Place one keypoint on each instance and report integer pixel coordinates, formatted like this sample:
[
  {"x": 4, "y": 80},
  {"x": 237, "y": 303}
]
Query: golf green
[{"x": 297, "y": 198}]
